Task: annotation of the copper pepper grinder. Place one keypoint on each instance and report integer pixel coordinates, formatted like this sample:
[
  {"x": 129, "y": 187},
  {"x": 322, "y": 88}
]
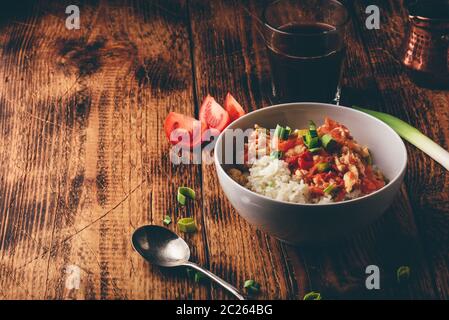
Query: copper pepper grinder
[{"x": 426, "y": 49}]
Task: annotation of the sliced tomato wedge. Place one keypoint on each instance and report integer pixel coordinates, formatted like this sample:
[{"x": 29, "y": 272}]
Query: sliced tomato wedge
[
  {"x": 213, "y": 114},
  {"x": 233, "y": 108},
  {"x": 183, "y": 129}
]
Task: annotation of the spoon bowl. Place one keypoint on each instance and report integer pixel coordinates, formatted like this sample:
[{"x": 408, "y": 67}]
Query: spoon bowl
[{"x": 160, "y": 246}]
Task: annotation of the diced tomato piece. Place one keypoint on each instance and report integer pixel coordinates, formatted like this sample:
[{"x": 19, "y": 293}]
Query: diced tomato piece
[
  {"x": 307, "y": 155},
  {"x": 341, "y": 195},
  {"x": 369, "y": 186},
  {"x": 177, "y": 125},
  {"x": 305, "y": 164},
  {"x": 213, "y": 114},
  {"x": 292, "y": 159},
  {"x": 329, "y": 175},
  {"x": 233, "y": 108},
  {"x": 380, "y": 184},
  {"x": 305, "y": 160},
  {"x": 316, "y": 191},
  {"x": 285, "y": 145}
]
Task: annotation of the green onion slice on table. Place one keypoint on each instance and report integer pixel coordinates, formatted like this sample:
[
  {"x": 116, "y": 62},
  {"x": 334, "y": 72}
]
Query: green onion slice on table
[
  {"x": 412, "y": 135},
  {"x": 403, "y": 274},
  {"x": 184, "y": 193},
  {"x": 199, "y": 277},
  {"x": 181, "y": 199},
  {"x": 187, "y": 225},
  {"x": 167, "y": 220},
  {"x": 251, "y": 286},
  {"x": 312, "y": 296}
]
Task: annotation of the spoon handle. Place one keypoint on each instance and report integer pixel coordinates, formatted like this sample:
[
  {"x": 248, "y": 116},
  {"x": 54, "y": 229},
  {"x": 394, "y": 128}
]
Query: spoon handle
[{"x": 217, "y": 279}]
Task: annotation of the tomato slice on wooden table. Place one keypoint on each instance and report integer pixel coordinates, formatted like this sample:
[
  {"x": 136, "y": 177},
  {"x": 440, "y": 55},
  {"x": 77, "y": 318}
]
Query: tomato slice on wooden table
[
  {"x": 213, "y": 114},
  {"x": 233, "y": 108},
  {"x": 177, "y": 126}
]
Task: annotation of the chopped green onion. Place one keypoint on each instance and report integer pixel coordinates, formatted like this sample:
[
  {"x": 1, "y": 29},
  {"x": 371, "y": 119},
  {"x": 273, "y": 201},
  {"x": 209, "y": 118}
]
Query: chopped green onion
[
  {"x": 329, "y": 188},
  {"x": 199, "y": 277},
  {"x": 311, "y": 139},
  {"x": 282, "y": 133},
  {"x": 276, "y": 154},
  {"x": 403, "y": 274},
  {"x": 311, "y": 142},
  {"x": 249, "y": 283},
  {"x": 187, "y": 192},
  {"x": 167, "y": 220},
  {"x": 313, "y": 150},
  {"x": 412, "y": 135},
  {"x": 279, "y": 131},
  {"x": 369, "y": 158},
  {"x": 181, "y": 199},
  {"x": 184, "y": 193},
  {"x": 301, "y": 132},
  {"x": 314, "y": 143},
  {"x": 312, "y": 296},
  {"x": 323, "y": 166},
  {"x": 328, "y": 142},
  {"x": 287, "y": 133},
  {"x": 187, "y": 225},
  {"x": 251, "y": 286},
  {"x": 312, "y": 129},
  {"x": 195, "y": 275}
]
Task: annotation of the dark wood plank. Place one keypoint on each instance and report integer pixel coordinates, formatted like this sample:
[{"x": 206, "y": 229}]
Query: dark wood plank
[{"x": 85, "y": 158}]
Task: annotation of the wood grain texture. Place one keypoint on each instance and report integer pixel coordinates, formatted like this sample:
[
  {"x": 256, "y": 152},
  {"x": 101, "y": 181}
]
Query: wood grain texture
[{"x": 84, "y": 159}]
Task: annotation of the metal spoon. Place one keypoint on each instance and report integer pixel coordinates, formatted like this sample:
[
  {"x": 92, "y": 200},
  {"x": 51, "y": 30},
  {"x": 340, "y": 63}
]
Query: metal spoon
[{"x": 162, "y": 247}]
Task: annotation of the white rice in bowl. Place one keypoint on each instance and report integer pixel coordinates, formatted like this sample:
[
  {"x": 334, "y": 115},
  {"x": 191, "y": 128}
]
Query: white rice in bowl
[{"x": 272, "y": 178}]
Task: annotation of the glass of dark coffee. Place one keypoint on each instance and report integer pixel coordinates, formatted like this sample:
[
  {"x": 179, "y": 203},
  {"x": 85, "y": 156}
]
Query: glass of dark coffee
[{"x": 306, "y": 48}]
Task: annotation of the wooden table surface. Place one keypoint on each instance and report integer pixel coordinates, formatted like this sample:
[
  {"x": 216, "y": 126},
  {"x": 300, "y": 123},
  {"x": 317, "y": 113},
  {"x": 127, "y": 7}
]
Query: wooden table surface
[{"x": 84, "y": 159}]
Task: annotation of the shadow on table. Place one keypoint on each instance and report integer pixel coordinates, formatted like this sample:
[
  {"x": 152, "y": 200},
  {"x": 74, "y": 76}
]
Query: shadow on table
[{"x": 338, "y": 270}]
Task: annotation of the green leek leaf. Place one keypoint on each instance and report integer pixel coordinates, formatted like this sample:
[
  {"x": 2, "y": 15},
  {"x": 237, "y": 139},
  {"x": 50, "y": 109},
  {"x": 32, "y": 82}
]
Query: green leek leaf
[{"x": 412, "y": 135}]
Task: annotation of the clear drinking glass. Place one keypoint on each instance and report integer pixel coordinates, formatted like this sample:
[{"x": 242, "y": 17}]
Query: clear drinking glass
[{"x": 306, "y": 48}]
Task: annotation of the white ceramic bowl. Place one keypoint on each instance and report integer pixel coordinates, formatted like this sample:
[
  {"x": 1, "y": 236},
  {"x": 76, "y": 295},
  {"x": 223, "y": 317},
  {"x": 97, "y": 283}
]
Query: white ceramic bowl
[{"x": 313, "y": 223}]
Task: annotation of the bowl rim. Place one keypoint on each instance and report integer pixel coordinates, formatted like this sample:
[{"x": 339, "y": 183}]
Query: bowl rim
[{"x": 399, "y": 175}]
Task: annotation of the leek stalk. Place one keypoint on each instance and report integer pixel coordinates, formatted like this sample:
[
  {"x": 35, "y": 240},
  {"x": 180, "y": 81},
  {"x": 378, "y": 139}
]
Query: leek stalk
[{"x": 412, "y": 135}]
